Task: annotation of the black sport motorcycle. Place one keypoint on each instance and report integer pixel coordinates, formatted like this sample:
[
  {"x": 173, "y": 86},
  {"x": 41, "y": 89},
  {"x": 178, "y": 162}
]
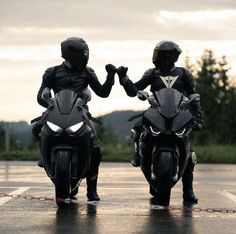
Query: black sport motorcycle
[
  {"x": 66, "y": 142},
  {"x": 163, "y": 146}
]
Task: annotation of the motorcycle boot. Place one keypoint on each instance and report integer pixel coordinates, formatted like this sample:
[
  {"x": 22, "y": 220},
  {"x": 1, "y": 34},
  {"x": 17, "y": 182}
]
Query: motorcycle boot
[
  {"x": 135, "y": 161},
  {"x": 36, "y": 129},
  {"x": 92, "y": 175},
  {"x": 187, "y": 180},
  {"x": 152, "y": 191},
  {"x": 136, "y": 158},
  {"x": 40, "y": 162},
  {"x": 92, "y": 194}
]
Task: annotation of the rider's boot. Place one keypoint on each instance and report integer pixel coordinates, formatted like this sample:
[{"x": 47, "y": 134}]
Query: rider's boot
[
  {"x": 136, "y": 158},
  {"x": 92, "y": 176},
  {"x": 92, "y": 194},
  {"x": 187, "y": 180},
  {"x": 40, "y": 162},
  {"x": 135, "y": 161},
  {"x": 36, "y": 131}
]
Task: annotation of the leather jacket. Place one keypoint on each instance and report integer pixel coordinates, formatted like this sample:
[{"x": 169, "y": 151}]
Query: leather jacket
[{"x": 62, "y": 77}]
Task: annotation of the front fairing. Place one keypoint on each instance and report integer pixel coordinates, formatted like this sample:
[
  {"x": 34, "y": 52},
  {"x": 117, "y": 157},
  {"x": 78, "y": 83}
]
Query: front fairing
[
  {"x": 167, "y": 119},
  {"x": 154, "y": 117},
  {"x": 65, "y": 120},
  {"x": 66, "y": 111},
  {"x": 181, "y": 120},
  {"x": 169, "y": 102}
]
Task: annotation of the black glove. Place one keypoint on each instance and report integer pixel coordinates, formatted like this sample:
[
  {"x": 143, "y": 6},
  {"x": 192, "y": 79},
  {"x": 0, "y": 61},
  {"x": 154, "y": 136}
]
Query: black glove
[
  {"x": 111, "y": 70},
  {"x": 122, "y": 73},
  {"x": 196, "y": 109},
  {"x": 197, "y": 124}
]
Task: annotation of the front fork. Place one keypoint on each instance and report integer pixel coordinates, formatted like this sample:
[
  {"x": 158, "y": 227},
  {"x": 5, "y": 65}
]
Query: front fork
[{"x": 149, "y": 151}]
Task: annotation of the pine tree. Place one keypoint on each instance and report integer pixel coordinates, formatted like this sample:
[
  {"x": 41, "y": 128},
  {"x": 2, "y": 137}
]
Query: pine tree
[{"x": 218, "y": 98}]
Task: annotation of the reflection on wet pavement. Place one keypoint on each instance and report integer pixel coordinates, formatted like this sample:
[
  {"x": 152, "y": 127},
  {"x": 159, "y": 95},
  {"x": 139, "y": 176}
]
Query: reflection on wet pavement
[{"x": 126, "y": 206}]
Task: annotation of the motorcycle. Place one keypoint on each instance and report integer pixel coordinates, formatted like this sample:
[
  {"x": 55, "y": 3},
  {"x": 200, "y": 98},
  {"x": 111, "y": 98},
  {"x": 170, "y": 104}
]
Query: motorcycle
[
  {"x": 65, "y": 143},
  {"x": 163, "y": 146}
]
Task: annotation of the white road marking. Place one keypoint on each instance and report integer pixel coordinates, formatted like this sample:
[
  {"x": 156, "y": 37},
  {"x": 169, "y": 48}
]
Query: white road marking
[
  {"x": 19, "y": 191},
  {"x": 228, "y": 195}
]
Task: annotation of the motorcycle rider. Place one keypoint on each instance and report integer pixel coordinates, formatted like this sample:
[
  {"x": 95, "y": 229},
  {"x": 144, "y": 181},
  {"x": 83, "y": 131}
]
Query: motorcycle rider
[
  {"x": 74, "y": 74},
  {"x": 164, "y": 75}
]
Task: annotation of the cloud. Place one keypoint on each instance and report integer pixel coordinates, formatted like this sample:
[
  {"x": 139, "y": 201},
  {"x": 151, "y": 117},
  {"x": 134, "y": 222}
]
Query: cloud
[
  {"x": 120, "y": 32},
  {"x": 195, "y": 17}
]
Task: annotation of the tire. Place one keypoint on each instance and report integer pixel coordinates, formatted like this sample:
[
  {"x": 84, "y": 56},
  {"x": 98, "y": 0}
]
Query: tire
[
  {"x": 62, "y": 177},
  {"x": 164, "y": 178}
]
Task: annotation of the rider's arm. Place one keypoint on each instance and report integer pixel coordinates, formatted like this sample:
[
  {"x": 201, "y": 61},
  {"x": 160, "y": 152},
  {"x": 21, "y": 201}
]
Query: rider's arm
[
  {"x": 101, "y": 90},
  {"x": 190, "y": 89},
  {"x": 132, "y": 88},
  {"x": 45, "y": 83},
  {"x": 189, "y": 83}
]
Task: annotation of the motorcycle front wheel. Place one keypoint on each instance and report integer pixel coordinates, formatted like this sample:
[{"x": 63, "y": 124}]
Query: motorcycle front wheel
[
  {"x": 62, "y": 177},
  {"x": 164, "y": 178}
]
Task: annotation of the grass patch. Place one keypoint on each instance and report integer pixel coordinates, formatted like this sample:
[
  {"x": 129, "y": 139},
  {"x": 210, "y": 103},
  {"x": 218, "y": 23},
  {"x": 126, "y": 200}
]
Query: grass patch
[
  {"x": 216, "y": 153},
  {"x": 124, "y": 153},
  {"x": 24, "y": 155}
]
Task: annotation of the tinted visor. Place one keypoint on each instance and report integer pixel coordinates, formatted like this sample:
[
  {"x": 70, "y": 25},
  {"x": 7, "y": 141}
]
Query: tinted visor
[
  {"x": 78, "y": 58},
  {"x": 166, "y": 55}
]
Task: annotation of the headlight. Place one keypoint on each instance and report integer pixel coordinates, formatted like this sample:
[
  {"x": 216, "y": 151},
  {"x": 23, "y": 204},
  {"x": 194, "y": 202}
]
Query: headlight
[
  {"x": 75, "y": 127},
  {"x": 180, "y": 133},
  {"x": 54, "y": 127},
  {"x": 155, "y": 132}
]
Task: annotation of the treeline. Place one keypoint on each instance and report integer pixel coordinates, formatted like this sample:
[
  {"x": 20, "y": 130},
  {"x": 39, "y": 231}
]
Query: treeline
[
  {"x": 218, "y": 99},
  {"x": 215, "y": 143}
]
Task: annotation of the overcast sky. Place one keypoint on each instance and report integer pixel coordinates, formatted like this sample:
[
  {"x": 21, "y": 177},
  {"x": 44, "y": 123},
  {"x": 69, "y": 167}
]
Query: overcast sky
[{"x": 120, "y": 32}]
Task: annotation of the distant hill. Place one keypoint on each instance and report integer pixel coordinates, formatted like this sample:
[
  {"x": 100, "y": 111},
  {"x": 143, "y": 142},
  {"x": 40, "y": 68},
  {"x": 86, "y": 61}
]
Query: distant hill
[
  {"x": 115, "y": 121},
  {"x": 21, "y": 130},
  {"x": 118, "y": 122}
]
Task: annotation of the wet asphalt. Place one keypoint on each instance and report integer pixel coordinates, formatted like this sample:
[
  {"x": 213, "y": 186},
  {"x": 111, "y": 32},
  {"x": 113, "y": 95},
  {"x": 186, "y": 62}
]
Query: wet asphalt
[{"x": 125, "y": 206}]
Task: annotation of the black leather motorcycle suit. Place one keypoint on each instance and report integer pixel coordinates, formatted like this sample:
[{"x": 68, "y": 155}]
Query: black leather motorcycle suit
[
  {"x": 180, "y": 79},
  {"x": 62, "y": 77},
  {"x": 177, "y": 78}
]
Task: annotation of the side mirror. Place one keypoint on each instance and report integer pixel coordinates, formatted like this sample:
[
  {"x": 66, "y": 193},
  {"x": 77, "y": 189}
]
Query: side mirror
[
  {"x": 87, "y": 95},
  {"x": 142, "y": 95},
  {"x": 46, "y": 94},
  {"x": 193, "y": 97}
]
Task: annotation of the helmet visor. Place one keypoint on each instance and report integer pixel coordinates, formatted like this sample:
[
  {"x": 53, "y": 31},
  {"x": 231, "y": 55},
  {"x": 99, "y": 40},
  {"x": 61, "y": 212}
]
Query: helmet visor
[{"x": 78, "y": 58}]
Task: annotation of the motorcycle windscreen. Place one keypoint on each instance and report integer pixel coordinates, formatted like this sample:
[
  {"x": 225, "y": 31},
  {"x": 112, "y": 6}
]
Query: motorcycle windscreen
[
  {"x": 169, "y": 100},
  {"x": 65, "y": 100},
  {"x": 154, "y": 117},
  {"x": 181, "y": 120}
]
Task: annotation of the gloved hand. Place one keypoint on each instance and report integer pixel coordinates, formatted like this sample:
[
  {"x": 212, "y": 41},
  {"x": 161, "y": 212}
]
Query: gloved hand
[
  {"x": 111, "y": 70},
  {"x": 122, "y": 73},
  {"x": 198, "y": 124},
  {"x": 196, "y": 109}
]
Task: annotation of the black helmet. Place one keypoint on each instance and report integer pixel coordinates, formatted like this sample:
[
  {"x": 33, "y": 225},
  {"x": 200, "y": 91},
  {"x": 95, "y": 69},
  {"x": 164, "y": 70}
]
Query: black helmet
[
  {"x": 165, "y": 54},
  {"x": 75, "y": 50}
]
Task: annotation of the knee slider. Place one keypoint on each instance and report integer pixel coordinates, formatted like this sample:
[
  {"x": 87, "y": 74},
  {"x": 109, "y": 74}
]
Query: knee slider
[
  {"x": 133, "y": 135},
  {"x": 193, "y": 157}
]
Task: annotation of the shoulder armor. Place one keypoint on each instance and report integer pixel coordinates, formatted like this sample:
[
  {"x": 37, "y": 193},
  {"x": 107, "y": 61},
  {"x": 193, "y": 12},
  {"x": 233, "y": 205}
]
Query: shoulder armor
[
  {"x": 149, "y": 71},
  {"x": 49, "y": 71},
  {"x": 91, "y": 72}
]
